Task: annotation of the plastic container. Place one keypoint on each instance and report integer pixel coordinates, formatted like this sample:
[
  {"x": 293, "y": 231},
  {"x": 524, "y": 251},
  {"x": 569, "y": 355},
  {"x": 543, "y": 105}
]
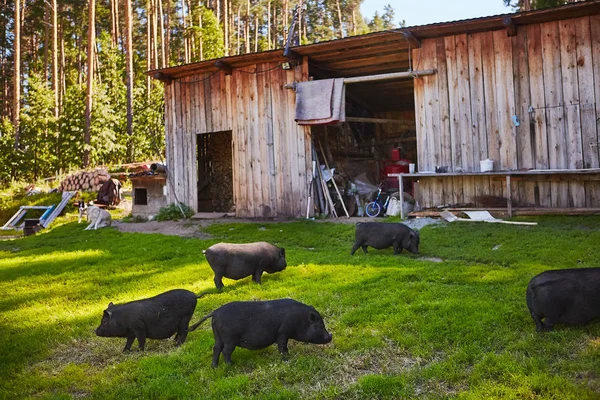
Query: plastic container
[
  {"x": 486, "y": 165},
  {"x": 396, "y": 154}
]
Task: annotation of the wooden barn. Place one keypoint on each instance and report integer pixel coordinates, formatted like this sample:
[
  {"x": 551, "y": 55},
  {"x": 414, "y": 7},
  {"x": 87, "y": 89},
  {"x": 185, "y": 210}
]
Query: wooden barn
[{"x": 521, "y": 90}]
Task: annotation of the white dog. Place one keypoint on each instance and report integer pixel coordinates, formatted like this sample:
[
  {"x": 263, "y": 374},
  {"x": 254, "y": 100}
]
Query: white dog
[
  {"x": 82, "y": 210},
  {"x": 99, "y": 217}
]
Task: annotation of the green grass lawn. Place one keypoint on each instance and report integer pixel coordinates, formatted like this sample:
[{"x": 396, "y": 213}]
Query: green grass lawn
[{"x": 403, "y": 327}]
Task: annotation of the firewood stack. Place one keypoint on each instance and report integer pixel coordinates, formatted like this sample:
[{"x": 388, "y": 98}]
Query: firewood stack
[{"x": 87, "y": 181}]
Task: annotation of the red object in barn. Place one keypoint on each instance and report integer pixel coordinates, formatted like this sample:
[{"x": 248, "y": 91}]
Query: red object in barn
[
  {"x": 394, "y": 167},
  {"x": 396, "y": 154}
]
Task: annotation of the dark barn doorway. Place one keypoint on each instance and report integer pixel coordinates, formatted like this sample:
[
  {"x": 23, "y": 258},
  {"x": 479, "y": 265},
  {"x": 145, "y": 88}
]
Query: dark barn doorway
[{"x": 215, "y": 174}]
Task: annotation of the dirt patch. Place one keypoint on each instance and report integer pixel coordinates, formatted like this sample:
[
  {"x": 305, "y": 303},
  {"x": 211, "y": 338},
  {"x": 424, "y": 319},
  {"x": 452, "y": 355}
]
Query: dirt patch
[
  {"x": 193, "y": 227},
  {"x": 178, "y": 228}
]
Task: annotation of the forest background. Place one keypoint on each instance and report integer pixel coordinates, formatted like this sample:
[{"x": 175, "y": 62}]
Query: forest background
[{"x": 73, "y": 88}]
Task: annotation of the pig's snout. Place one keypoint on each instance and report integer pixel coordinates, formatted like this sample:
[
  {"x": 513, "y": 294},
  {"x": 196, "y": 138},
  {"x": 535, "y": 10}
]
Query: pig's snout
[{"x": 326, "y": 338}]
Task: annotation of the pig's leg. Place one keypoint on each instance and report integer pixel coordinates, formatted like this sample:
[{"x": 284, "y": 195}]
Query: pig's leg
[
  {"x": 364, "y": 248},
  {"x": 141, "y": 337},
  {"x": 218, "y": 281},
  {"x": 256, "y": 276},
  {"x": 217, "y": 349},
  {"x": 130, "y": 340},
  {"x": 182, "y": 331},
  {"x": 397, "y": 248},
  {"x": 282, "y": 342},
  {"x": 227, "y": 350},
  {"x": 539, "y": 325},
  {"x": 548, "y": 324},
  {"x": 354, "y": 248}
]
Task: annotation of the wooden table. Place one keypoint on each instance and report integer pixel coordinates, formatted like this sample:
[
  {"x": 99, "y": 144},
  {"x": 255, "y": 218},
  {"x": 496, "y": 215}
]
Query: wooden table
[{"x": 590, "y": 173}]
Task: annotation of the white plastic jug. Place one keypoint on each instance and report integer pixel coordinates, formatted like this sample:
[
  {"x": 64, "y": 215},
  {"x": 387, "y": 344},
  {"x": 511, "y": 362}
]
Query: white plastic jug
[{"x": 486, "y": 165}]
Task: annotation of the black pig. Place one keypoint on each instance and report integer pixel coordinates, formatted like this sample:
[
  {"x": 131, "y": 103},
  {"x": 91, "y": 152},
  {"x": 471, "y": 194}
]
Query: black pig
[
  {"x": 258, "y": 324},
  {"x": 157, "y": 317},
  {"x": 384, "y": 235},
  {"x": 565, "y": 296},
  {"x": 237, "y": 261}
]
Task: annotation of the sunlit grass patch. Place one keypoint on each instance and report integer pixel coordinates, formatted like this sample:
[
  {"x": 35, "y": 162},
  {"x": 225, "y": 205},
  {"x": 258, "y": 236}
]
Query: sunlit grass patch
[{"x": 448, "y": 322}]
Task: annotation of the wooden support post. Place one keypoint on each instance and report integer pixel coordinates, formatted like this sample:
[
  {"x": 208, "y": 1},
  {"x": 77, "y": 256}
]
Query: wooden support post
[
  {"x": 317, "y": 182},
  {"x": 411, "y": 38},
  {"x": 223, "y": 66},
  {"x": 401, "y": 197},
  {"x": 511, "y": 29},
  {"x": 162, "y": 77},
  {"x": 333, "y": 181},
  {"x": 508, "y": 196}
]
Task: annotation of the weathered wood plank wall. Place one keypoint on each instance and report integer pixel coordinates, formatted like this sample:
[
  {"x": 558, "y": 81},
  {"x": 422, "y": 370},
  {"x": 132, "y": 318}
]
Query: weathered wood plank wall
[
  {"x": 271, "y": 153},
  {"x": 548, "y": 76}
]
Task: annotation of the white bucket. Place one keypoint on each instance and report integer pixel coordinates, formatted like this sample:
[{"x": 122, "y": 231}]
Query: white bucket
[{"x": 486, "y": 165}]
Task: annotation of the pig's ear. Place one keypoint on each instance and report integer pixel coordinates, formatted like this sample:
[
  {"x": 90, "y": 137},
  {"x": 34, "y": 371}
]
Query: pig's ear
[
  {"x": 110, "y": 304},
  {"x": 282, "y": 253},
  {"x": 312, "y": 317}
]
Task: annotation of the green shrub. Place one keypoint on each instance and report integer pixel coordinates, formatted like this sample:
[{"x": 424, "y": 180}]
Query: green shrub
[{"x": 173, "y": 213}]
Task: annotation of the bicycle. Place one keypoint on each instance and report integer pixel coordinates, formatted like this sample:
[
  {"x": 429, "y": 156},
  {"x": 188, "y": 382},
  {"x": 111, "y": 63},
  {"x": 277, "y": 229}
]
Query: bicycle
[{"x": 376, "y": 207}]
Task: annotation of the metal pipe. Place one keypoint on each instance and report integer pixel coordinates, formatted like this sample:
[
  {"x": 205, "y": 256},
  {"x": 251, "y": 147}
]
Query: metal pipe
[{"x": 382, "y": 77}]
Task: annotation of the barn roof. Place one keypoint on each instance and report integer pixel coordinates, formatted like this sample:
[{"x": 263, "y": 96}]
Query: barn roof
[{"x": 380, "y": 52}]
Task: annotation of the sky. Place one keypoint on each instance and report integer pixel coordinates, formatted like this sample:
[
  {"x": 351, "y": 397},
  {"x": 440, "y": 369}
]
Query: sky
[{"x": 421, "y": 12}]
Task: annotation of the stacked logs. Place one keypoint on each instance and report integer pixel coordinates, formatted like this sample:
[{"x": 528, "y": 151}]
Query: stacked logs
[{"x": 86, "y": 181}]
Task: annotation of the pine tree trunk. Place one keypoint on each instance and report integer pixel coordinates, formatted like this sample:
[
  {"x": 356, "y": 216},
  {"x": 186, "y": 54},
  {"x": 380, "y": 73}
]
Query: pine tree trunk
[
  {"x": 256, "y": 33},
  {"x": 299, "y": 25},
  {"x": 46, "y": 38},
  {"x": 155, "y": 34},
  {"x": 90, "y": 80},
  {"x": 3, "y": 71},
  {"x": 218, "y": 11},
  {"x": 226, "y": 12},
  {"x": 61, "y": 69},
  {"x": 186, "y": 57},
  {"x": 129, "y": 76},
  {"x": 339, "y": 12},
  {"x": 79, "y": 61},
  {"x": 17, "y": 77},
  {"x": 167, "y": 40},
  {"x": 239, "y": 27},
  {"x": 275, "y": 27},
  {"x": 114, "y": 7},
  {"x": 247, "y": 27},
  {"x": 191, "y": 36},
  {"x": 200, "y": 39},
  {"x": 55, "y": 57},
  {"x": 269, "y": 25},
  {"x": 284, "y": 18},
  {"x": 161, "y": 18},
  {"x": 148, "y": 45}
]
